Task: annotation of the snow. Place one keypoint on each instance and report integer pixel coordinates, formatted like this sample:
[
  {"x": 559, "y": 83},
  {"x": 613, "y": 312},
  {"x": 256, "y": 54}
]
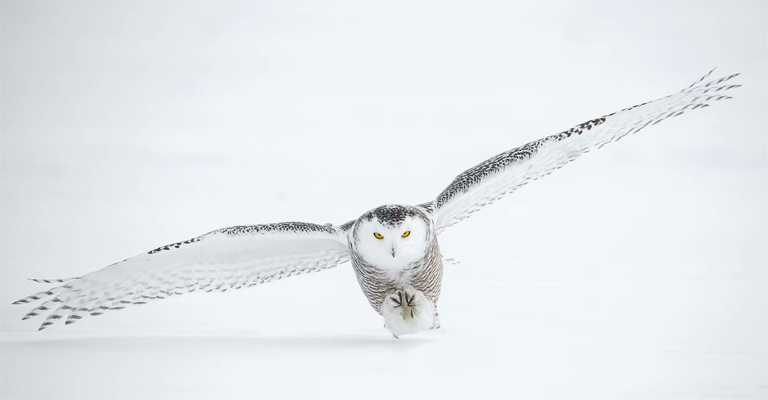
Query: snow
[{"x": 637, "y": 272}]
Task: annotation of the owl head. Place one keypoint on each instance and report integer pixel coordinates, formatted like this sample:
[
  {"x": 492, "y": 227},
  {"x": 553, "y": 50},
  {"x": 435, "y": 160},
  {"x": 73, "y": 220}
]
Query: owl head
[{"x": 393, "y": 236}]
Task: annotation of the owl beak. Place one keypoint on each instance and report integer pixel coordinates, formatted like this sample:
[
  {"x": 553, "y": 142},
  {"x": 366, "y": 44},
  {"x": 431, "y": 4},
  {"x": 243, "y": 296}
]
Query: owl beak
[{"x": 393, "y": 251}]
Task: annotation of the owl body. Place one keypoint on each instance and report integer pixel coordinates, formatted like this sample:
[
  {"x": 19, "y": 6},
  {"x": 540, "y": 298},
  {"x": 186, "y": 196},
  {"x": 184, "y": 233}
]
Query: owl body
[{"x": 396, "y": 258}]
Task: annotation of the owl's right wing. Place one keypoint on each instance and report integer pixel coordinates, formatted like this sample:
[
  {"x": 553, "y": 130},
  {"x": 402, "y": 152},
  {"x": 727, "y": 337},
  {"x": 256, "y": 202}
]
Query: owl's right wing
[
  {"x": 230, "y": 258},
  {"x": 506, "y": 172}
]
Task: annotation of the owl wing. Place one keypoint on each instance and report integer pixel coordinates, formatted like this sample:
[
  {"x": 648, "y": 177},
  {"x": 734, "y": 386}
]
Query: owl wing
[
  {"x": 506, "y": 172},
  {"x": 230, "y": 258}
]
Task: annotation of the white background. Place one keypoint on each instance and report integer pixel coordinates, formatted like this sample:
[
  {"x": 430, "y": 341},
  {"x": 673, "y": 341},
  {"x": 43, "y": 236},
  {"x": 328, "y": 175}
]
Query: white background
[{"x": 638, "y": 272}]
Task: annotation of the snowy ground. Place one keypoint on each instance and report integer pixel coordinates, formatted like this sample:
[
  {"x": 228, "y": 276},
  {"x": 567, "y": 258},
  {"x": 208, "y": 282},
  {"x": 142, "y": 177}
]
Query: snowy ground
[{"x": 637, "y": 272}]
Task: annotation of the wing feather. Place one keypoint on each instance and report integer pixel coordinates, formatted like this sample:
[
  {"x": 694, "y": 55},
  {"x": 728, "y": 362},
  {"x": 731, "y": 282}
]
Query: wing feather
[
  {"x": 230, "y": 258},
  {"x": 506, "y": 172}
]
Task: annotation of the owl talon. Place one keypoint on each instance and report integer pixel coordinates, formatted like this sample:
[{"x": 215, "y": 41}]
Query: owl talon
[{"x": 405, "y": 303}]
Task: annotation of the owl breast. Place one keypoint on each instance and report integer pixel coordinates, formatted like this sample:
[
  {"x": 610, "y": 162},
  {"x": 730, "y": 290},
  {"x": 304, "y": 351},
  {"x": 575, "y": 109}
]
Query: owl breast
[{"x": 424, "y": 275}]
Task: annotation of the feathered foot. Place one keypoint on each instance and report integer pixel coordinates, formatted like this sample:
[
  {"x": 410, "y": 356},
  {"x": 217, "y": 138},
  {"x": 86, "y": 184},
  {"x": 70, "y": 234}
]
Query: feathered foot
[
  {"x": 405, "y": 302},
  {"x": 406, "y": 310}
]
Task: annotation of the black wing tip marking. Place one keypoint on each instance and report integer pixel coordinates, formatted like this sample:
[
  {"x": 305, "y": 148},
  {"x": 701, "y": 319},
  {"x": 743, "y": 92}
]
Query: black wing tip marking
[
  {"x": 701, "y": 79},
  {"x": 34, "y": 297}
]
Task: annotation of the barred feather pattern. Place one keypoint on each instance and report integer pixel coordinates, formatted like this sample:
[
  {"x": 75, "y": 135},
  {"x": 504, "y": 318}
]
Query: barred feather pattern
[
  {"x": 230, "y": 258},
  {"x": 424, "y": 275},
  {"x": 506, "y": 172}
]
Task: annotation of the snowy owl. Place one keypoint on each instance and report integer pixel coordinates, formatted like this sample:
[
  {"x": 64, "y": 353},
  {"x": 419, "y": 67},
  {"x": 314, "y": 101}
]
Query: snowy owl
[{"x": 393, "y": 249}]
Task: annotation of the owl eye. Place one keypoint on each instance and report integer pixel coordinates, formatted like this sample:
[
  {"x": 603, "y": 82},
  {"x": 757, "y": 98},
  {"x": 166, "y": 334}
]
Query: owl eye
[
  {"x": 377, "y": 235},
  {"x": 406, "y": 234}
]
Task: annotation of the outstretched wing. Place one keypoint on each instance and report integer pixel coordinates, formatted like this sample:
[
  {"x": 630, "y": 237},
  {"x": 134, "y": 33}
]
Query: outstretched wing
[
  {"x": 230, "y": 258},
  {"x": 503, "y": 174}
]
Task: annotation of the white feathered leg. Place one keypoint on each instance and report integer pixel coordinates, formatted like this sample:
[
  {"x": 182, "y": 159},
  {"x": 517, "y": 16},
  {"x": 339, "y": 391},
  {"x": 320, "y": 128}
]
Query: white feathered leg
[{"x": 408, "y": 311}]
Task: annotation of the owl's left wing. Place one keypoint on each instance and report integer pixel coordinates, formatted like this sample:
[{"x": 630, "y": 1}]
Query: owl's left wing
[
  {"x": 230, "y": 258},
  {"x": 504, "y": 173}
]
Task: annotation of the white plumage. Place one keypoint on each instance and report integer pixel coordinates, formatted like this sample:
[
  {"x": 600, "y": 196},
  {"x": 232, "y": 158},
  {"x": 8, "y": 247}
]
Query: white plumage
[
  {"x": 393, "y": 248},
  {"x": 506, "y": 172},
  {"x": 217, "y": 261}
]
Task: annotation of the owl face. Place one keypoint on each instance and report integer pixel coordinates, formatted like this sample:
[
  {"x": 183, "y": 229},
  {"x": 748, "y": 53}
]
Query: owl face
[{"x": 392, "y": 237}]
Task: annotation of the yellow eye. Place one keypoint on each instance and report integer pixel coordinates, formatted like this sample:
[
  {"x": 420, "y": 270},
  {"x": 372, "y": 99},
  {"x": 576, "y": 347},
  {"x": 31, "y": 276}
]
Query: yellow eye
[
  {"x": 377, "y": 235},
  {"x": 406, "y": 233}
]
